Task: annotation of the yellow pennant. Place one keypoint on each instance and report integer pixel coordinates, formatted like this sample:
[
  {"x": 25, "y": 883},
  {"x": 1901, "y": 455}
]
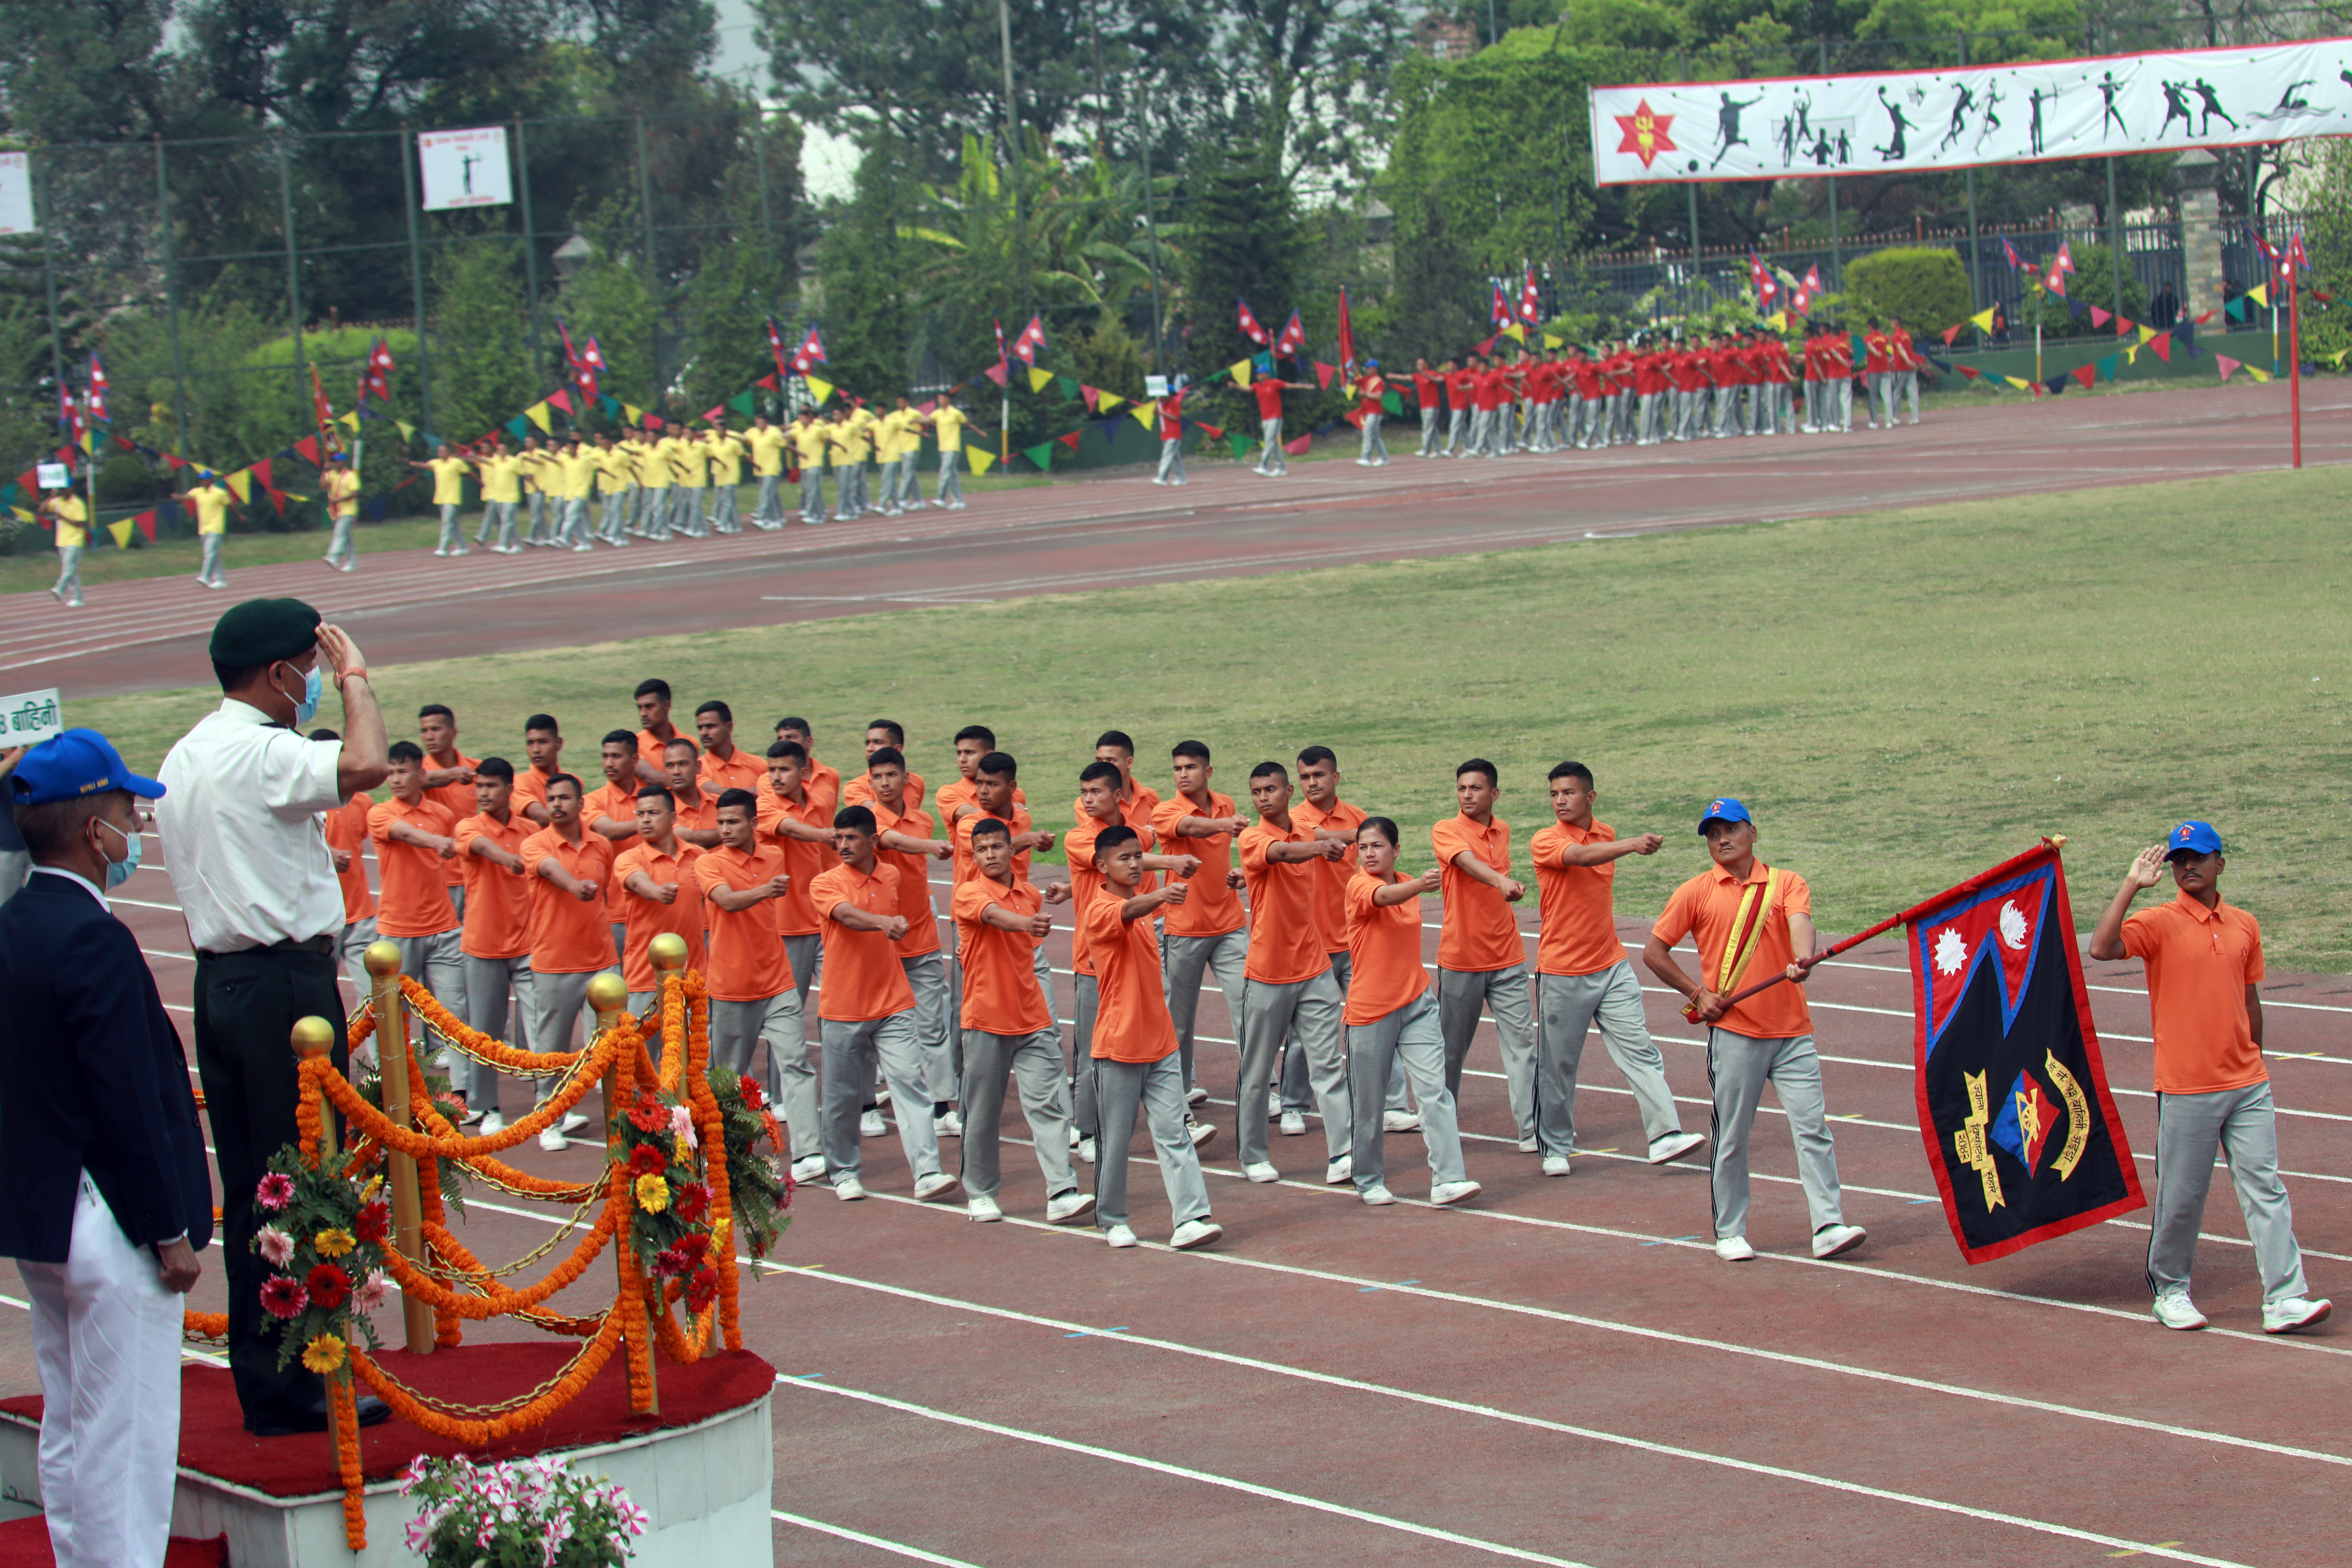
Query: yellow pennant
[
  {"x": 349, "y": 421},
  {"x": 1107, "y": 401},
  {"x": 1142, "y": 412},
  {"x": 1552, "y": 343},
  {"x": 980, "y": 457},
  {"x": 2260, "y": 293},
  {"x": 2257, "y": 375},
  {"x": 1982, "y": 319},
  {"x": 537, "y": 414},
  {"x": 1778, "y": 321},
  {"x": 1516, "y": 334},
  {"x": 241, "y": 482},
  {"x": 1039, "y": 378},
  {"x": 1240, "y": 371},
  {"x": 818, "y": 389},
  {"x": 2019, "y": 382},
  {"x": 121, "y": 531},
  {"x": 407, "y": 431},
  {"x": 636, "y": 414}
]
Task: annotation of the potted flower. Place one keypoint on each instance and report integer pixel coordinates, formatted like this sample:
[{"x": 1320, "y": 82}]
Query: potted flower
[{"x": 518, "y": 1513}]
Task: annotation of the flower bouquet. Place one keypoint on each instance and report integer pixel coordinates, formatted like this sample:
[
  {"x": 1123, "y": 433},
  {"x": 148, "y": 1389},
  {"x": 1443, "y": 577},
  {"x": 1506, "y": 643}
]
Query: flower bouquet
[
  {"x": 323, "y": 1237},
  {"x": 519, "y": 1513},
  {"x": 758, "y": 1188},
  {"x": 671, "y": 1226}
]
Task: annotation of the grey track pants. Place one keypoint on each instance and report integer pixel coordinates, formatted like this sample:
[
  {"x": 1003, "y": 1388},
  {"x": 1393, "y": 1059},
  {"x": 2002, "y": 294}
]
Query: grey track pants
[
  {"x": 1172, "y": 463},
  {"x": 1082, "y": 1069},
  {"x": 1157, "y": 1090},
  {"x": 791, "y": 1078},
  {"x": 852, "y": 1052},
  {"x": 1311, "y": 1007},
  {"x": 1034, "y": 1062},
  {"x": 738, "y": 1028},
  {"x": 812, "y": 494},
  {"x": 1737, "y": 1067},
  {"x": 1429, "y": 439},
  {"x": 949, "y": 491},
  {"x": 927, "y": 974},
  {"x": 2242, "y": 1126},
  {"x": 488, "y": 982},
  {"x": 556, "y": 1002},
  {"x": 1461, "y": 993},
  {"x": 1409, "y": 1036},
  {"x": 439, "y": 963},
  {"x": 1567, "y": 1007},
  {"x": 1224, "y": 956},
  {"x": 1270, "y": 454}
]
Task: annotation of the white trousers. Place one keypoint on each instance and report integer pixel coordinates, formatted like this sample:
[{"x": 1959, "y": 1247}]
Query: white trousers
[{"x": 106, "y": 1338}]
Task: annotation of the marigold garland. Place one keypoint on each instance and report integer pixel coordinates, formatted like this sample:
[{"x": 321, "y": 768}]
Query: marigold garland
[{"x": 343, "y": 1406}]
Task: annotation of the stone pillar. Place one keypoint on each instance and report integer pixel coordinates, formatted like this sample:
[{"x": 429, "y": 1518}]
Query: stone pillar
[{"x": 2196, "y": 175}]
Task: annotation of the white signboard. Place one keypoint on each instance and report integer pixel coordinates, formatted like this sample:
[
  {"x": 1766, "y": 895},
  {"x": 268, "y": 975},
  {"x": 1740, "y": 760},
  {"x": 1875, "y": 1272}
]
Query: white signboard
[
  {"x": 53, "y": 476},
  {"x": 464, "y": 168},
  {"x": 1155, "y": 386},
  {"x": 1800, "y": 126},
  {"x": 16, "y": 193},
  {"x": 29, "y": 717}
]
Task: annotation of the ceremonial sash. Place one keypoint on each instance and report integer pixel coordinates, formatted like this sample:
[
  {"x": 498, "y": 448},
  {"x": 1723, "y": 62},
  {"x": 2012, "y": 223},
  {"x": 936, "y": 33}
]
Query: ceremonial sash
[{"x": 1747, "y": 931}]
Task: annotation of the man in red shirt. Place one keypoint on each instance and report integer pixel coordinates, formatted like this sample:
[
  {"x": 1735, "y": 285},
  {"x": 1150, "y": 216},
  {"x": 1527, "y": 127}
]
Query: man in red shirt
[
  {"x": 1749, "y": 919},
  {"x": 1543, "y": 400},
  {"x": 2204, "y": 961},
  {"x": 1426, "y": 390},
  {"x": 1815, "y": 417},
  {"x": 1371, "y": 388},
  {"x": 1269, "y": 391},
  {"x": 1878, "y": 375},
  {"x": 1902, "y": 359},
  {"x": 1591, "y": 405},
  {"x": 1172, "y": 436},
  {"x": 1461, "y": 404},
  {"x": 1685, "y": 370},
  {"x": 1837, "y": 379},
  {"x": 1650, "y": 394}
]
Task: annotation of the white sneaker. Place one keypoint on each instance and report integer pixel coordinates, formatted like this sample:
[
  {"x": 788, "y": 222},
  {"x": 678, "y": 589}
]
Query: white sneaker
[
  {"x": 1086, "y": 1149},
  {"x": 983, "y": 1210},
  {"x": 1261, "y": 1171},
  {"x": 554, "y": 1140},
  {"x": 871, "y": 1125},
  {"x": 939, "y": 1185},
  {"x": 2285, "y": 1317},
  {"x": 1555, "y": 1165},
  {"x": 1400, "y": 1121},
  {"x": 1075, "y": 1139},
  {"x": 1293, "y": 1124},
  {"x": 1377, "y": 1195},
  {"x": 1449, "y": 1193},
  {"x": 1832, "y": 1239},
  {"x": 949, "y": 1125},
  {"x": 882, "y": 1095},
  {"x": 1340, "y": 1172},
  {"x": 1195, "y": 1095},
  {"x": 1069, "y": 1207},
  {"x": 2174, "y": 1309},
  {"x": 474, "y": 1114},
  {"x": 808, "y": 1168},
  {"x": 1733, "y": 1248},
  {"x": 1119, "y": 1235},
  {"x": 1203, "y": 1132},
  {"x": 1195, "y": 1232},
  {"x": 574, "y": 1122},
  {"x": 492, "y": 1122},
  {"x": 849, "y": 1189},
  {"x": 1675, "y": 1145},
  {"x": 1527, "y": 1145}
]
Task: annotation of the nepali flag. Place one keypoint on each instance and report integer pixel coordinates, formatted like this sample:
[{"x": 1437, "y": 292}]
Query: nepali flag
[
  {"x": 70, "y": 417},
  {"x": 1499, "y": 314},
  {"x": 2295, "y": 259},
  {"x": 97, "y": 390},
  {"x": 2059, "y": 265},
  {"x": 1293, "y": 340},
  {"x": 322, "y": 411},
  {"x": 1766, "y": 286},
  {"x": 1530, "y": 302},
  {"x": 1031, "y": 341},
  {"x": 2016, "y": 262},
  {"x": 375, "y": 372},
  {"x": 1813, "y": 278},
  {"x": 2020, "y": 1131},
  {"x": 811, "y": 353},
  {"x": 1250, "y": 328}
]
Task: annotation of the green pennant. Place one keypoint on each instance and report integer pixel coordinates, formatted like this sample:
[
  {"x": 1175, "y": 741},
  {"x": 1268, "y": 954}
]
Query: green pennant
[
  {"x": 2237, "y": 308},
  {"x": 1068, "y": 387},
  {"x": 741, "y": 403},
  {"x": 1393, "y": 403},
  {"x": 519, "y": 425},
  {"x": 2110, "y": 365},
  {"x": 1861, "y": 349},
  {"x": 1042, "y": 454},
  {"x": 1240, "y": 443}
]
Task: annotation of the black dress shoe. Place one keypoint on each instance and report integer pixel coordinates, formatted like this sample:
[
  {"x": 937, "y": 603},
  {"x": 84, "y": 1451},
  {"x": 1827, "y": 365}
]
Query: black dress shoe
[{"x": 372, "y": 1411}]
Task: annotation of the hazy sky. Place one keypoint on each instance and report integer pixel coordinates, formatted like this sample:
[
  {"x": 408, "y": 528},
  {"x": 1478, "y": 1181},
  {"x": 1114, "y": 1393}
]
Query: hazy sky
[{"x": 828, "y": 164}]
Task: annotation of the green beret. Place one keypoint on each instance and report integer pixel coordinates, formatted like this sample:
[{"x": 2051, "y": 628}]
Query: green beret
[{"x": 263, "y": 631}]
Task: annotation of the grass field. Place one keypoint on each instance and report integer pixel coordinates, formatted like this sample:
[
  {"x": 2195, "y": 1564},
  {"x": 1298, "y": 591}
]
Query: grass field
[{"x": 1903, "y": 697}]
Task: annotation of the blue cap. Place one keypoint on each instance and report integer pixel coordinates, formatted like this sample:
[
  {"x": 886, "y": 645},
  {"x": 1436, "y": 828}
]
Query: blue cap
[
  {"x": 1723, "y": 808},
  {"x": 2192, "y": 838},
  {"x": 74, "y": 764}
]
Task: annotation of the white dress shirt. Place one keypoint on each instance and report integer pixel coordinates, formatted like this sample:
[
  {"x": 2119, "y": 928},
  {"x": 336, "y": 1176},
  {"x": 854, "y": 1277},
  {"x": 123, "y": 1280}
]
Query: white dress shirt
[{"x": 240, "y": 826}]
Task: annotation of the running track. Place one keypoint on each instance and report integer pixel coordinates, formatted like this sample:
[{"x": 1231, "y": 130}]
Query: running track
[
  {"x": 1121, "y": 530},
  {"x": 1560, "y": 1372}
]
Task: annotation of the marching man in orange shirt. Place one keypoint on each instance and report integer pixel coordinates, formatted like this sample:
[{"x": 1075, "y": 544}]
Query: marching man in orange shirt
[
  {"x": 2204, "y": 959},
  {"x": 754, "y": 999},
  {"x": 571, "y": 940},
  {"x": 497, "y": 941},
  {"x": 1750, "y": 919},
  {"x": 656, "y": 873},
  {"x": 1582, "y": 975},
  {"x": 1291, "y": 991},
  {"x": 1481, "y": 960},
  {"x": 413, "y": 834}
]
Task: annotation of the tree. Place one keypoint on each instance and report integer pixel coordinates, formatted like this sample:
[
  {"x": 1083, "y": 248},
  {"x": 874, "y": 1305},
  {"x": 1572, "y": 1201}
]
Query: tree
[
  {"x": 1435, "y": 303},
  {"x": 478, "y": 311}
]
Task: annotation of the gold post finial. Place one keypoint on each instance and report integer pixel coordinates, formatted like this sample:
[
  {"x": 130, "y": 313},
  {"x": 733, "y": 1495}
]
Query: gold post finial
[
  {"x": 313, "y": 1036},
  {"x": 668, "y": 951},
  {"x": 608, "y": 994},
  {"x": 383, "y": 958}
]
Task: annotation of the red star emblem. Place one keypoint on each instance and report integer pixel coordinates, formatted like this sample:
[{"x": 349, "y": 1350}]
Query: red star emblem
[{"x": 1645, "y": 133}]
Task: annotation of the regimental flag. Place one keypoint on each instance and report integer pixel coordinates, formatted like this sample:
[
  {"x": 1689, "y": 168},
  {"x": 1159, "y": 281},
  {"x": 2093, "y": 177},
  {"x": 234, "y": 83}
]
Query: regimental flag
[
  {"x": 375, "y": 374},
  {"x": 1250, "y": 328},
  {"x": 776, "y": 348},
  {"x": 321, "y": 410},
  {"x": 70, "y": 418},
  {"x": 97, "y": 390},
  {"x": 2020, "y": 1131},
  {"x": 1002, "y": 355},
  {"x": 1530, "y": 307},
  {"x": 1031, "y": 342},
  {"x": 2295, "y": 260}
]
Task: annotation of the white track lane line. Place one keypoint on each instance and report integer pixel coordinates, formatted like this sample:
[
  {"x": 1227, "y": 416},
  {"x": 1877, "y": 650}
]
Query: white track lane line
[{"x": 896, "y": 1548}]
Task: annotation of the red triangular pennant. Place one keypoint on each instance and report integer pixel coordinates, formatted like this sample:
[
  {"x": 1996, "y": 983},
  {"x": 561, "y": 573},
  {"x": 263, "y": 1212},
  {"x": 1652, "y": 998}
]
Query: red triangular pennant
[
  {"x": 2101, "y": 318},
  {"x": 175, "y": 460},
  {"x": 2125, "y": 326},
  {"x": 261, "y": 472},
  {"x": 1093, "y": 394},
  {"x": 1323, "y": 373},
  {"x": 1212, "y": 432},
  {"x": 2085, "y": 373},
  {"x": 1970, "y": 371},
  {"x": 996, "y": 374},
  {"x": 1070, "y": 440},
  {"x": 2162, "y": 344},
  {"x": 767, "y": 381},
  {"x": 2225, "y": 363},
  {"x": 146, "y": 522},
  {"x": 559, "y": 399},
  {"x": 1952, "y": 333},
  {"x": 309, "y": 447}
]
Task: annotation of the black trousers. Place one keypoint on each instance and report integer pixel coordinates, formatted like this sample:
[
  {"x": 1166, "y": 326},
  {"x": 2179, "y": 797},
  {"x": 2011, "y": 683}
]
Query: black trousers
[{"x": 247, "y": 1006}]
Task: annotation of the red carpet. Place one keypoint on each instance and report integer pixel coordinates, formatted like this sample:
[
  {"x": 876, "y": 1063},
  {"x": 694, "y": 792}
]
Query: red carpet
[
  {"x": 25, "y": 1544},
  {"x": 213, "y": 1437}
]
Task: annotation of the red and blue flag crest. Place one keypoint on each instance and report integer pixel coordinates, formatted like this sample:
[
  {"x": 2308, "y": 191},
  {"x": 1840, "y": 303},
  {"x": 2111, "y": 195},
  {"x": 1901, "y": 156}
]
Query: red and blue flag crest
[
  {"x": 2019, "y": 1128},
  {"x": 1249, "y": 324}
]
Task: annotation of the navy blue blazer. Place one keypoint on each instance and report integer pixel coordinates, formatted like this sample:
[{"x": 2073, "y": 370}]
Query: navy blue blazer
[{"x": 92, "y": 1077}]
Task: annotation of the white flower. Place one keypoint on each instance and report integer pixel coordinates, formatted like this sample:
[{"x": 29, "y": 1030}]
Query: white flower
[
  {"x": 274, "y": 1245},
  {"x": 372, "y": 1292},
  {"x": 681, "y": 1125}
]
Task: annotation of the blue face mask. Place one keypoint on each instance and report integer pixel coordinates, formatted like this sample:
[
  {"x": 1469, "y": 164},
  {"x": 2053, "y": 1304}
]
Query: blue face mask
[
  {"x": 118, "y": 871},
  {"x": 307, "y": 707}
]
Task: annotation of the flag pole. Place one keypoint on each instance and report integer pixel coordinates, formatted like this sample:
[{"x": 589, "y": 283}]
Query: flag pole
[
  {"x": 2053, "y": 843},
  {"x": 2294, "y": 358}
]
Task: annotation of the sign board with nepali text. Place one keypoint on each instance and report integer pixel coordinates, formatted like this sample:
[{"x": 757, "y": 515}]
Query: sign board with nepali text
[
  {"x": 464, "y": 168},
  {"x": 16, "y": 193},
  {"x": 29, "y": 718},
  {"x": 1899, "y": 122}
]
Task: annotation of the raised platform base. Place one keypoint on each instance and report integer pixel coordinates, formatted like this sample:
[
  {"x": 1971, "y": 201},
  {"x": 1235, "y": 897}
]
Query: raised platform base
[{"x": 702, "y": 1470}]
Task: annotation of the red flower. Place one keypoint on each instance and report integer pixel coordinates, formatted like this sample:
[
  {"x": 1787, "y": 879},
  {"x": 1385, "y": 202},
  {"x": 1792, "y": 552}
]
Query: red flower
[
  {"x": 691, "y": 1200},
  {"x": 373, "y": 1225},
  {"x": 275, "y": 1191},
  {"x": 645, "y": 1159},
  {"x": 702, "y": 1290},
  {"x": 670, "y": 1263},
  {"x": 753, "y": 1095},
  {"x": 329, "y": 1287},
  {"x": 694, "y": 1245},
  {"x": 650, "y": 1114},
  {"x": 281, "y": 1297}
]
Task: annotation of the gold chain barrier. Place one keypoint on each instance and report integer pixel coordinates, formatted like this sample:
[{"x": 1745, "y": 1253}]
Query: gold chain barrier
[{"x": 662, "y": 1122}]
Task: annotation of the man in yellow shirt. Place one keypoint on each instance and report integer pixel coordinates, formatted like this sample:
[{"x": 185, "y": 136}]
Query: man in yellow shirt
[
  {"x": 948, "y": 421},
  {"x": 210, "y": 502},
  {"x": 810, "y": 443},
  {"x": 689, "y": 462},
  {"x": 653, "y": 489},
  {"x": 449, "y": 471},
  {"x": 767, "y": 445},
  {"x": 543, "y": 485},
  {"x": 726, "y": 453},
  {"x": 342, "y": 487},
  {"x": 853, "y": 446},
  {"x": 578, "y": 468},
  {"x": 616, "y": 477},
  {"x": 501, "y": 472},
  {"x": 70, "y": 514}
]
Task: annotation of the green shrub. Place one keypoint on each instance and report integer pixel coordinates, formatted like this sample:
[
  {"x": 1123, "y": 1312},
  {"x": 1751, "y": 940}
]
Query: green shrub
[
  {"x": 1924, "y": 285},
  {"x": 2325, "y": 333},
  {"x": 123, "y": 480}
]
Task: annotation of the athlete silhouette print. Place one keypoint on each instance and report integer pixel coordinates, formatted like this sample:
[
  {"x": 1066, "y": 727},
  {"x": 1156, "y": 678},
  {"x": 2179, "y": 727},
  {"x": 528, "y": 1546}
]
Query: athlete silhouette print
[{"x": 1894, "y": 152}]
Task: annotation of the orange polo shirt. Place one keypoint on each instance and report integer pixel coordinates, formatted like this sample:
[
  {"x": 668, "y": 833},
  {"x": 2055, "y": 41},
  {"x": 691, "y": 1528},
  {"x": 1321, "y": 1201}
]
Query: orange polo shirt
[
  {"x": 858, "y": 790},
  {"x": 1131, "y": 1022},
  {"x": 649, "y": 745},
  {"x": 1705, "y": 906},
  {"x": 748, "y": 962},
  {"x": 1383, "y": 953},
  {"x": 1331, "y": 877},
  {"x": 1480, "y": 932},
  {"x": 497, "y": 901},
  {"x": 1087, "y": 882},
  {"x": 1210, "y": 909},
  {"x": 1135, "y": 808},
  {"x": 959, "y": 791},
  {"x": 966, "y": 868},
  {"x": 568, "y": 936},
  {"x": 458, "y": 801},
  {"x": 346, "y": 829},
  {"x": 618, "y": 802},
  {"x": 914, "y": 877},
  {"x": 2200, "y": 962},
  {"x": 741, "y": 770},
  {"x": 530, "y": 789},
  {"x": 1001, "y": 994},
  {"x": 648, "y": 918},
  {"x": 1580, "y": 913},
  {"x": 697, "y": 813},
  {"x": 1286, "y": 944},
  {"x": 821, "y": 783},
  {"x": 416, "y": 899},
  {"x": 862, "y": 979},
  {"x": 804, "y": 862}
]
